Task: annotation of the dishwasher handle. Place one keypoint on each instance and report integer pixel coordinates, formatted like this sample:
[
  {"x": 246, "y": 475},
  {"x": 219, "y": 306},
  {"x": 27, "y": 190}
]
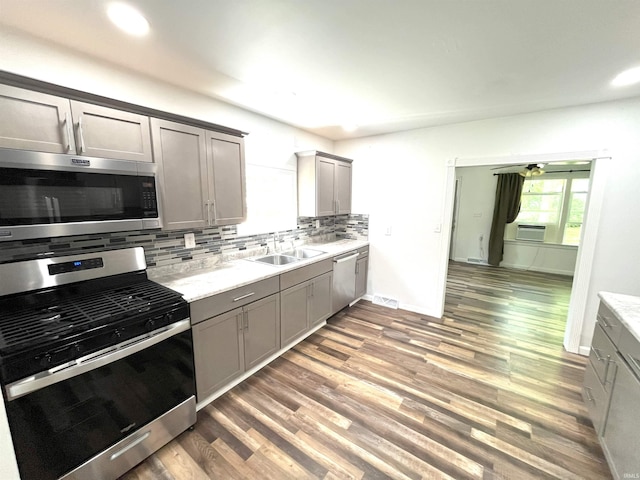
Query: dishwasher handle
[{"x": 345, "y": 259}]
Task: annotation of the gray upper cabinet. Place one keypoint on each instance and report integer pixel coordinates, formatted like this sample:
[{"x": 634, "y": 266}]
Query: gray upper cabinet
[
  {"x": 47, "y": 123},
  {"x": 35, "y": 121},
  {"x": 110, "y": 133},
  {"x": 324, "y": 184},
  {"x": 180, "y": 152},
  {"x": 227, "y": 181},
  {"x": 201, "y": 176}
]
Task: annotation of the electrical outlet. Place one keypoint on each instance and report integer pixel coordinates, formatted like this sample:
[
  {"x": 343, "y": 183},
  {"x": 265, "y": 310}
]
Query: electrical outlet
[
  {"x": 387, "y": 231},
  {"x": 189, "y": 240},
  {"x": 481, "y": 237},
  {"x": 317, "y": 223}
]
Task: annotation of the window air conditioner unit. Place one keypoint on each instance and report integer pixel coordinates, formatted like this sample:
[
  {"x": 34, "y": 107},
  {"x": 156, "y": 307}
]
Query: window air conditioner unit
[{"x": 531, "y": 233}]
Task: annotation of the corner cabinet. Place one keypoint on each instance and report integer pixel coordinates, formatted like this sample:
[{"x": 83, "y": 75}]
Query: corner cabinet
[
  {"x": 201, "y": 176},
  {"x": 46, "y": 123},
  {"x": 324, "y": 184}
]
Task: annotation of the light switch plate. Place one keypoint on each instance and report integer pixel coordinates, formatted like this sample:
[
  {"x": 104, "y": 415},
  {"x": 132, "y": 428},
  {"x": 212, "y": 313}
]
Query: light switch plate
[{"x": 189, "y": 240}]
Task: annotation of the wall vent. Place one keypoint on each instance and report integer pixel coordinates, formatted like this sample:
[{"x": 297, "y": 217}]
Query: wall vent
[
  {"x": 385, "y": 301},
  {"x": 475, "y": 260},
  {"x": 531, "y": 233}
]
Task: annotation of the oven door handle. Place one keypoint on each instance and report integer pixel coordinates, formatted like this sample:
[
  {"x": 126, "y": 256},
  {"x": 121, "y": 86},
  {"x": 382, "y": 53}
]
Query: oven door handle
[{"x": 93, "y": 361}]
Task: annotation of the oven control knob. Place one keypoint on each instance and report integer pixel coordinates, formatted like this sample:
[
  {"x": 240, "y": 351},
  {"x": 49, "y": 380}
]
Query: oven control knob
[
  {"x": 168, "y": 317},
  {"x": 45, "y": 361},
  {"x": 76, "y": 350},
  {"x": 150, "y": 325},
  {"x": 116, "y": 334}
]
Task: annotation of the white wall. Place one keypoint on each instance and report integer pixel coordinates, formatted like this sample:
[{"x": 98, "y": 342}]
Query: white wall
[
  {"x": 476, "y": 197},
  {"x": 402, "y": 175}
]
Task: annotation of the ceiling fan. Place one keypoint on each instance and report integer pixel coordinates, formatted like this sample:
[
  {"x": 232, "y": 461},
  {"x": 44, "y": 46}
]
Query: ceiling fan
[{"x": 527, "y": 171}]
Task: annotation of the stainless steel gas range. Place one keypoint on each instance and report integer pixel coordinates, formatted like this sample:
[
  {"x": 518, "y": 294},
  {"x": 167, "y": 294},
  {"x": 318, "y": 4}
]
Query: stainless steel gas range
[{"x": 96, "y": 364}]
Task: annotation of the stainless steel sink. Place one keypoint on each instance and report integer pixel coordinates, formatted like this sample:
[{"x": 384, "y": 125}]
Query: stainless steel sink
[
  {"x": 276, "y": 259},
  {"x": 301, "y": 253}
]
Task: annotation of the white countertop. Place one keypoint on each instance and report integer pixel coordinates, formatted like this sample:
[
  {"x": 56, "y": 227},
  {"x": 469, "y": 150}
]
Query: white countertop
[
  {"x": 200, "y": 281},
  {"x": 626, "y": 308}
]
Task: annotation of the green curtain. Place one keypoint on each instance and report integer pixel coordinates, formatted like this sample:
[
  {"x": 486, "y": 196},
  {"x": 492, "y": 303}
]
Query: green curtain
[{"x": 506, "y": 209}]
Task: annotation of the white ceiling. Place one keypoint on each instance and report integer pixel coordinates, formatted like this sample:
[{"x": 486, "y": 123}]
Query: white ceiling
[{"x": 385, "y": 65}]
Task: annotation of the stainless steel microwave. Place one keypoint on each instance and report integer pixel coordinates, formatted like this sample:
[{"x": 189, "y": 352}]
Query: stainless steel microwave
[{"x": 53, "y": 195}]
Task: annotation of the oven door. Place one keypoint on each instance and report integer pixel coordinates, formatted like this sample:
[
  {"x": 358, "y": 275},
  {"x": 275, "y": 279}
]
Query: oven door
[{"x": 61, "y": 419}]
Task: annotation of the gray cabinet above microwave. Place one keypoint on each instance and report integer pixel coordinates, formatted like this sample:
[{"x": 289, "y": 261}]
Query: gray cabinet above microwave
[{"x": 46, "y": 123}]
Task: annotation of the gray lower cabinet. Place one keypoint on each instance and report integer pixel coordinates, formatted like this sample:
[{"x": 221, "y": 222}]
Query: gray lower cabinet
[
  {"x": 201, "y": 176},
  {"x": 304, "y": 306},
  {"x": 611, "y": 392},
  {"x": 229, "y": 344},
  {"x": 362, "y": 267},
  {"x": 218, "y": 348},
  {"x": 620, "y": 440}
]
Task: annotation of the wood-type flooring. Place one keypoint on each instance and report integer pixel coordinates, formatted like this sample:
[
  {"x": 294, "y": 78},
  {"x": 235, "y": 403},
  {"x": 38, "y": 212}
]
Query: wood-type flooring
[{"x": 486, "y": 392}]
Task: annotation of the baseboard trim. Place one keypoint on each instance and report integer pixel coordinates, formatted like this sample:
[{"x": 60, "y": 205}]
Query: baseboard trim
[{"x": 538, "y": 269}]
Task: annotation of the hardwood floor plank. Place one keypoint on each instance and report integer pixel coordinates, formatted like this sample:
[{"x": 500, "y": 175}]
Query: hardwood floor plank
[{"x": 486, "y": 392}]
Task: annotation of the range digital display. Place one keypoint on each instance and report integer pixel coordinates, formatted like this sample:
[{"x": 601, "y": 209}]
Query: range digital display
[{"x": 75, "y": 266}]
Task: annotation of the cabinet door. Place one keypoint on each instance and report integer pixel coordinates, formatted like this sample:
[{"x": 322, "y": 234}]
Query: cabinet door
[
  {"x": 326, "y": 185},
  {"x": 180, "y": 151},
  {"x": 343, "y": 187},
  {"x": 110, "y": 133},
  {"x": 362, "y": 266},
  {"x": 261, "y": 330},
  {"x": 225, "y": 155},
  {"x": 620, "y": 438},
  {"x": 320, "y": 300},
  {"x": 35, "y": 121},
  {"x": 218, "y": 352},
  {"x": 294, "y": 308}
]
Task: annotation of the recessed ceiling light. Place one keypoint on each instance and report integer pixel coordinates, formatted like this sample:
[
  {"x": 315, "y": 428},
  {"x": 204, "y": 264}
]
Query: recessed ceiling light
[
  {"x": 628, "y": 77},
  {"x": 128, "y": 19}
]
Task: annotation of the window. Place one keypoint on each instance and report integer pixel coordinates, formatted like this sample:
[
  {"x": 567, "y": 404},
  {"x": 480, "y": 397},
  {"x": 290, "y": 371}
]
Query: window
[
  {"x": 557, "y": 203},
  {"x": 575, "y": 212}
]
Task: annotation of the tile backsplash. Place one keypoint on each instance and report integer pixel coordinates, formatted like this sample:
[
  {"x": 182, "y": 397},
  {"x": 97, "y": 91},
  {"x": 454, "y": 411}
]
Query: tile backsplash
[{"x": 167, "y": 248}]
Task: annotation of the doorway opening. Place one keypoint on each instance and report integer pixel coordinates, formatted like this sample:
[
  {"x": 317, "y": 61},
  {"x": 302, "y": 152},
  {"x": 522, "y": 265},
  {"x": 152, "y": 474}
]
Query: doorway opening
[{"x": 584, "y": 253}]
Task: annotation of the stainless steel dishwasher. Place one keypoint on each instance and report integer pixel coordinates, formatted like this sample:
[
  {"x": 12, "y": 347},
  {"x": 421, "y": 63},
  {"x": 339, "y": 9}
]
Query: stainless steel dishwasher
[{"x": 344, "y": 280}]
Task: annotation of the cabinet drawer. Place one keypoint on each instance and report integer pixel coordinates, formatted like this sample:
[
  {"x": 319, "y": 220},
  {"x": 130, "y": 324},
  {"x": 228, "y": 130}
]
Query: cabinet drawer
[
  {"x": 302, "y": 274},
  {"x": 363, "y": 251},
  {"x": 609, "y": 323},
  {"x": 595, "y": 398},
  {"x": 629, "y": 347},
  {"x": 601, "y": 352},
  {"x": 223, "y": 302}
]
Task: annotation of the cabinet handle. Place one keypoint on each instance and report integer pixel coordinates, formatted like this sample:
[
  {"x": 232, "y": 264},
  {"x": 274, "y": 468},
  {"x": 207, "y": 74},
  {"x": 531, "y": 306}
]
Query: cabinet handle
[
  {"x": 634, "y": 363},
  {"x": 213, "y": 208},
  {"x": 313, "y": 292},
  {"x": 206, "y": 205},
  {"x": 357, "y": 268},
  {"x": 599, "y": 357},
  {"x": 67, "y": 130},
  {"x": 604, "y": 322},
  {"x": 81, "y": 135},
  {"x": 246, "y": 321},
  {"x": 338, "y": 209},
  {"x": 587, "y": 390},
  {"x": 244, "y": 296},
  {"x": 241, "y": 323}
]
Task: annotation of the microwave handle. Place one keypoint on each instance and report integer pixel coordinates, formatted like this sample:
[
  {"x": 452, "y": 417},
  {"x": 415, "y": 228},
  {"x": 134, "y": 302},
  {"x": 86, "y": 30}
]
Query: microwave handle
[{"x": 56, "y": 208}]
